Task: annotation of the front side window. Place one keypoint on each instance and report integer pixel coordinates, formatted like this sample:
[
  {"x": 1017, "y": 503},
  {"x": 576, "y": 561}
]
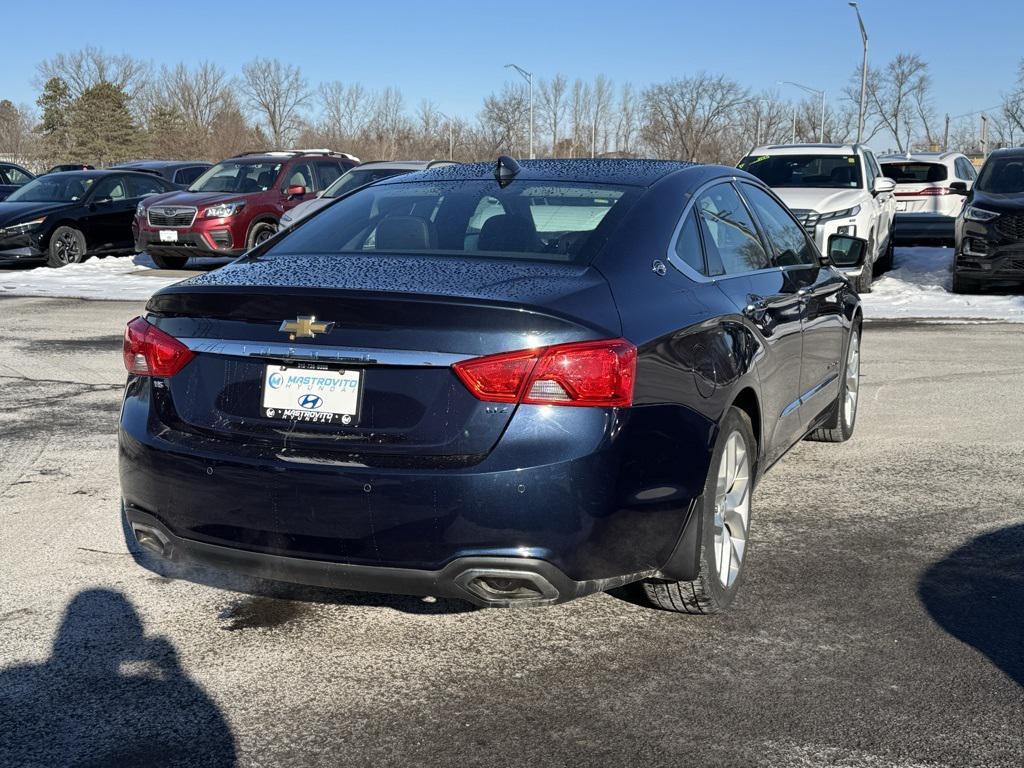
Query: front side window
[
  {"x": 16, "y": 176},
  {"x": 111, "y": 188},
  {"x": 789, "y": 243},
  {"x": 731, "y": 240},
  {"x": 999, "y": 176},
  {"x": 300, "y": 175},
  {"x": 142, "y": 186},
  {"x": 543, "y": 221},
  {"x": 360, "y": 177},
  {"x": 234, "y": 176},
  {"x": 824, "y": 171}
]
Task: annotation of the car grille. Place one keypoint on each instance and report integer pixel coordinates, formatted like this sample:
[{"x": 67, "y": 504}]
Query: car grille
[
  {"x": 171, "y": 216},
  {"x": 808, "y": 220},
  {"x": 1011, "y": 226}
]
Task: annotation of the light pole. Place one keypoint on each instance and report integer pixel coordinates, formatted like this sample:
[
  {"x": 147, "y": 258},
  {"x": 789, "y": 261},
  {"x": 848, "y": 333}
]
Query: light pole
[
  {"x": 816, "y": 92},
  {"x": 528, "y": 77},
  {"x": 863, "y": 75},
  {"x": 451, "y": 135}
]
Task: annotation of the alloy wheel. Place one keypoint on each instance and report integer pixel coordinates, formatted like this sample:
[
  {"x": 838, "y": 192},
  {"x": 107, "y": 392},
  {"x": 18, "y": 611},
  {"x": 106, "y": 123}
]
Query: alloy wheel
[
  {"x": 852, "y": 380},
  {"x": 732, "y": 508},
  {"x": 67, "y": 248}
]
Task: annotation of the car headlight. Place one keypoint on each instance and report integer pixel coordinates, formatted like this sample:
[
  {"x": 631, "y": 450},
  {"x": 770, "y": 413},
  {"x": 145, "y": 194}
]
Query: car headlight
[
  {"x": 22, "y": 227},
  {"x": 223, "y": 210},
  {"x": 140, "y": 210},
  {"x": 846, "y": 212},
  {"x": 978, "y": 214},
  {"x": 286, "y": 217}
]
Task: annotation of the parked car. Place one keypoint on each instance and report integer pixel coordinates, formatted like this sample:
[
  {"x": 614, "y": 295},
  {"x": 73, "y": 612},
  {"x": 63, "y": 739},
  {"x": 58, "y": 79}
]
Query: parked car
[
  {"x": 360, "y": 176},
  {"x": 63, "y": 218},
  {"x": 70, "y": 167},
  {"x": 833, "y": 189},
  {"x": 235, "y": 205},
  {"x": 990, "y": 228},
  {"x": 930, "y": 191},
  {"x": 12, "y": 176},
  {"x": 181, "y": 173},
  {"x": 512, "y": 384}
]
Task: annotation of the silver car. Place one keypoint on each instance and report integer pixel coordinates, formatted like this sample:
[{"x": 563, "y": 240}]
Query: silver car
[{"x": 360, "y": 176}]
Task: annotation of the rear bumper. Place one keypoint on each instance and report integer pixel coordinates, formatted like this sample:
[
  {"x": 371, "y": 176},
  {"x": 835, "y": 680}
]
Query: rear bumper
[
  {"x": 535, "y": 582},
  {"x": 924, "y": 227}
]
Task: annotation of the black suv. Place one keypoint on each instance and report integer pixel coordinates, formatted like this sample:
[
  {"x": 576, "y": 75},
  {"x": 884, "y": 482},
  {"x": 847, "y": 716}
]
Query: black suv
[
  {"x": 12, "y": 177},
  {"x": 990, "y": 228},
  {"x": 181, "y": 173}
]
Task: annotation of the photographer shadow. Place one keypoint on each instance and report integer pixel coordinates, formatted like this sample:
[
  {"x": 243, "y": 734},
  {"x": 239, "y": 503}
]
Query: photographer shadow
[
  {"x": 976, "y": 594},
  {"x": 109, "y": 695}
]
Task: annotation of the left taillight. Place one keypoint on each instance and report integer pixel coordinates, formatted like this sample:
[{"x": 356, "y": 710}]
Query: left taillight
[
  {"x": 148, "y": 351},
  {"x": 590, "y": 373}
]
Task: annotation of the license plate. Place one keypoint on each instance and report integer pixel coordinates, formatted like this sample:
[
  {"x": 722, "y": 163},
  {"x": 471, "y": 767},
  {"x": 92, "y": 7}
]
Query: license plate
[
  {"x": 168, "y": 236},
  {"x": 311, "y": 394},
  {"x": 901, "y": 205}
]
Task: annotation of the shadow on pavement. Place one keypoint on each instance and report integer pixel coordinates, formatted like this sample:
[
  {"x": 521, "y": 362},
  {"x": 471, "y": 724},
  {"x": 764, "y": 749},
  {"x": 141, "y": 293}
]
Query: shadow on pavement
[
  {"x": 109, "y": 695},
  {"x": 976, "y": 594}
]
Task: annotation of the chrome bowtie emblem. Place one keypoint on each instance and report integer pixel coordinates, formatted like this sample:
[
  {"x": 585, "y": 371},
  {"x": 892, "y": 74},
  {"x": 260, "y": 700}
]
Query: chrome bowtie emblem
[{"x": 305, "y": 327}]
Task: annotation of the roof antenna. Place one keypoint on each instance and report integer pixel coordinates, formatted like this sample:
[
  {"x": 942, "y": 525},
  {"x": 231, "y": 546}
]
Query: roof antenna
[{"x": 506, "y": 170}]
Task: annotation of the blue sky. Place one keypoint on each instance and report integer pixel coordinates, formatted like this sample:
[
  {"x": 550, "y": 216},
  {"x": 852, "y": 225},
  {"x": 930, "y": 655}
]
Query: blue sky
[{"x": 453, "y": 52}]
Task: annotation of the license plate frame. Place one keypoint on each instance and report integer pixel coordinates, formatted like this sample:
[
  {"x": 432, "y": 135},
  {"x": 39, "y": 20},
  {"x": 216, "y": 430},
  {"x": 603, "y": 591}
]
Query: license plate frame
[
  {"x": 338, "y": 390},
  {"x": 168, "y": 235}
]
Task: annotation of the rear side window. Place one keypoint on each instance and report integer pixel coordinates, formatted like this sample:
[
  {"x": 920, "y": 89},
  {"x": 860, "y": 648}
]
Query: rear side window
[
  {"x": 790, "y": 246},
  {"x": 730, "y": 237},
  {"x": 688, "y": 245},
  {"x": 141, "y": 186},
  {"x": 915, "y": 173},
  {"x": 188, "y": 175},
  {"x": 545, "y": 221},
  {"x": 327, "y": 173}
]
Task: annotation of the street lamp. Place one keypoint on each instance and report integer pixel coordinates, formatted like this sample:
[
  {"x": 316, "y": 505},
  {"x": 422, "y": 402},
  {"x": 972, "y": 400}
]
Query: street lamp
[
  {"x": 816, "y": 92},
  {"x": 451, "y": 135},
  {"x": 528, "y": 77},
  {"x": 863, "y": 74}
]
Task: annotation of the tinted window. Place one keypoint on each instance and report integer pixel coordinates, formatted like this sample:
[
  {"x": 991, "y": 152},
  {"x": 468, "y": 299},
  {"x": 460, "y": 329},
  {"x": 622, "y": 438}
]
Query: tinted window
[
  {"x": 688, "y": 245},
  {"x": 547, "y": 221},
  {"x": 327, "y": 173},
  {"x": 360, "y": 177},
  {"x": 242, "y": 177},
  {"x": 15, "y": 175},
  {"x": 999, "y": 175},
  {"x": 788, "y": 241},
  {"x": 915, "y": 172},
  {"x": 829, "y": 171},
  {"x": 188, "y": 175},
  {"x": 731, "y": 240},
  {"x": 58, "y": 188},
  {"x": 141, "y": 186},
  {"x": 111, "y": 188}
]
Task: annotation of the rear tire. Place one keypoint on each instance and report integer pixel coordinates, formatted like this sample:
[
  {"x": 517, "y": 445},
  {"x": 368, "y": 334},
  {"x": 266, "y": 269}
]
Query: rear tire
[
  {"x": 725, "y": 509},
  {"x": 839, "y": 427},
  {"x": 67, "y": 246},
  {"x": 168, "y": 262}
]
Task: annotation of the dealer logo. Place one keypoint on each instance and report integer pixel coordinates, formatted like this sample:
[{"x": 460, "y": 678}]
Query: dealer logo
[
  {"x": 275, "y": 380},
  {"x": 310, "y": 402}
]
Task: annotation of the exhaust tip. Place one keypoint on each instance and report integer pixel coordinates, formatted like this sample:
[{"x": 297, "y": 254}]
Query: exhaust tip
[
  {"x": 151, "y": 540},
  {"x": 507, "y": 587}
]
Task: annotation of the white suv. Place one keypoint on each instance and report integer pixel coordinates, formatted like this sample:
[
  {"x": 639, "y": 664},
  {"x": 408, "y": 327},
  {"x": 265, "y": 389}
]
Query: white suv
[
  {"x": 930, "y": 191},
  {"x": 833, "y": 189}
]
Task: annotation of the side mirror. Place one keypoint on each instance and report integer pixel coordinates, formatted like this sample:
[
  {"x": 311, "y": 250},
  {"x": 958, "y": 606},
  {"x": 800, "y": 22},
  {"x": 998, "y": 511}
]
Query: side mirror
[
  {"x": 295, "y": 190},
  {"x": 847, "y": 252},
  {"x": 883, "y": 185},
  {"x": 958, "y": 187}
]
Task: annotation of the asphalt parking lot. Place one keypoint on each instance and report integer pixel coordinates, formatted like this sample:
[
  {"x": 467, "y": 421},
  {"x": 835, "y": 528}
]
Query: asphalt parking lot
[{"x": 881, "y": 623}]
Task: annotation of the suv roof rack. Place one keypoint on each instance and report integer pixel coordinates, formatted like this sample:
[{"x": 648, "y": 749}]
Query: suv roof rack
[{"x": 297, "y": 152}]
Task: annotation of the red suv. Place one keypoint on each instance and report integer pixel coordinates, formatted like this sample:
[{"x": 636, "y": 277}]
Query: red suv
[{"x": 234, "y": 206}]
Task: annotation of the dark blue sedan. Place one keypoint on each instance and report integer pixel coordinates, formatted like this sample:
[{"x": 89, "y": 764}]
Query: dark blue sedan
[{"x": 512, "y": 384}]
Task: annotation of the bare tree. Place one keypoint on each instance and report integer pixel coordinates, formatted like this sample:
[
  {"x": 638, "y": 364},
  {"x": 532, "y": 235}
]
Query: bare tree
[
  {"x": 898, "y": 99},
  {"x": 552, "y": 105},
  {"x": 686, "y": 117},
  {"x": 579, "y": 113},
  {"x": 600, "y": 104},
  {"x": 16, "y": 137},
  {"x": 277, "y": 93},
  {"x": 345, "y": 110},
  {"x": 90, "y": 66},
  {"x": 389, "y": 126},
  {"x": 626, "y": 120},
  {"x": 506, "y": 117}
]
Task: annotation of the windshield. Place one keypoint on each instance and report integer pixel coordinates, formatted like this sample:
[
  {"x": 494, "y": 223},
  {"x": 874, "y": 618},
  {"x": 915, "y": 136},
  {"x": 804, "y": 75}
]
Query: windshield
[
  {"x": 241, "y": 177},
  {"x": 56, "y": 188},
  {"x": 825, "y": 171},
  {"x": 1000, "y": 176},
  {"x": 360, "y": 177},
  {"x": 915, "y": 173},
  {"x": 546, "y": 221}
]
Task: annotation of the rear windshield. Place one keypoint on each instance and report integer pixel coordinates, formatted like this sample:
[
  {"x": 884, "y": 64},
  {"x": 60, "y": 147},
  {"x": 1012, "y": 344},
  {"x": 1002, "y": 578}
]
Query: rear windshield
[
  {"x": 237, "y": 177},
  {"x": 999, "y": 175},
  {"x": 915, "y": 173},
  {"x": 829, "y": 171},
  {"x": 545, "y": 221}
]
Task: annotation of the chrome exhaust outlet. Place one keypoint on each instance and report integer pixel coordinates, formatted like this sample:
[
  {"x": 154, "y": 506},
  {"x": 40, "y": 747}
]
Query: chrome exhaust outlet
[
  {"x": 152, "y": 539},
  {"x": 505, "y": 588}
]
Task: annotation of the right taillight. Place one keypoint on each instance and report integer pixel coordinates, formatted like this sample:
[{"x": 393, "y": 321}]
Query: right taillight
[
  {"x": 148, "y": 351},
  {"x": 589, "y": 373}
]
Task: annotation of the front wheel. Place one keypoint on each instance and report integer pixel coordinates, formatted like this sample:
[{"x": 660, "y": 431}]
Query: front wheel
[
  {"x": 885, "y": 263},
  {"x": 67, "y": 246},
  {"x": 261, "y": 232},
  {"x": 725, "y": 525},
  {"x": 839, "y": 427},
  {"x": 168, "y": 262}
]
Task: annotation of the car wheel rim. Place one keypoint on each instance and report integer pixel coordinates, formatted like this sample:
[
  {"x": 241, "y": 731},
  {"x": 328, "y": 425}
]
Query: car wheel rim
[
  {"x": 263, "y": 235},
  {"x": 67, "y": 249},
  {"x": 732, "y": 509},
  {"x": 852, "y": 380}
]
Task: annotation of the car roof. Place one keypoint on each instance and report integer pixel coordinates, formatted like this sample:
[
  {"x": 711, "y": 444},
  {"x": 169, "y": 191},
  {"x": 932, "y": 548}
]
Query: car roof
[
  {"x": 99, "y": 173},
  {"x": 1008, "y": 152},
  {"x": 403, "y": 165},
  {"x": 919, "y": 156},
  {"x": 806, "y": 149},
  {"x": 158, "y": 164},
  {"x": 642, "y": 173}
]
